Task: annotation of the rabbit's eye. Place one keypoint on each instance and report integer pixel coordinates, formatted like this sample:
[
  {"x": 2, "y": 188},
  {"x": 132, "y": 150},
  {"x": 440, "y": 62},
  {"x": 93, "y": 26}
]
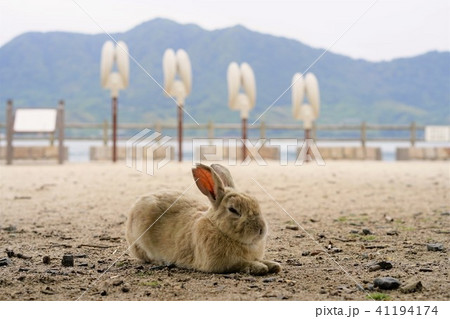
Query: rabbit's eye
[{"x": 234, "y": 211}]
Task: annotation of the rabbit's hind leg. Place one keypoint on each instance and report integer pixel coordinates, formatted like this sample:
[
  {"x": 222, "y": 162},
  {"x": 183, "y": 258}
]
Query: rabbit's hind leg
[{"x": 139, "y": 253}]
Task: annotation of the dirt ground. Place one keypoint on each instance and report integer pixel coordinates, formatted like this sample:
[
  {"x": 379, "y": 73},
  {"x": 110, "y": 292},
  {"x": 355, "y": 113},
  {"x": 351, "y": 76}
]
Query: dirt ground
[{"x": 353, "y": 214}]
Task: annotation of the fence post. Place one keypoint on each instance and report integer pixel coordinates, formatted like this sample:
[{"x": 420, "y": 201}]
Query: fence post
[
  {"x": 210, "y": 130},
  {"x": 105, "y": 133},
  {"x": 262, "y": 130},
  {"x": 158, "y": 128},
  {"x": 413, "y": 134},
  {"x": 364, "y": 138},
  {"x": 314, "y": 131},
  {"x": 9, "y": 132},
  {"x": 52, "y": 138},
  {"x": 61, "y": 132}
]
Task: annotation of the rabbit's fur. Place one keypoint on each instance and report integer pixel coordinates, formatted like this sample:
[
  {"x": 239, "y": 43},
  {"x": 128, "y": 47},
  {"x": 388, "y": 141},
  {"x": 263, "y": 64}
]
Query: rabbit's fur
[{"x": 230, "y": 236}]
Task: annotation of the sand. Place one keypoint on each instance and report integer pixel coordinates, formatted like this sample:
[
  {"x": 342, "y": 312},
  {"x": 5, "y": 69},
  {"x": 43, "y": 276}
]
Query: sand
[{"x": 50, "y": 210}]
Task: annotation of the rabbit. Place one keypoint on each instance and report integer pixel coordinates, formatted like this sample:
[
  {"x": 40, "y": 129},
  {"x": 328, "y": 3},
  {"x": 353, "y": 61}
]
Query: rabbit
[{"x": 229, "y": 236}]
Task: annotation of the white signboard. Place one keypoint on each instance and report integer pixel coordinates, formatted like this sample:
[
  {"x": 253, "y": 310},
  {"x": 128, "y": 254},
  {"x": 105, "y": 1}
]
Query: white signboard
[
  {"x": 35, "y": 120},
  {"x": 437, "y": 133}
]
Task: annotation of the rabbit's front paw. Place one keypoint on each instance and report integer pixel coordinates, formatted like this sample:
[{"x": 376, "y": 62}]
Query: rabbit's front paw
[
  {"x": 257, "y": 268},
  {"x": 273, "y": 266}
]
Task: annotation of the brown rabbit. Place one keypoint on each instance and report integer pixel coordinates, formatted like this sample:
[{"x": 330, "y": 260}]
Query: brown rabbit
[{"x": 230, "y": 236}]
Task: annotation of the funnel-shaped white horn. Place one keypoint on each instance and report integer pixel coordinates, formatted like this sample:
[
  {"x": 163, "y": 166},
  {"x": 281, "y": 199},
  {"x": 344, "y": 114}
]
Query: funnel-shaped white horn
[
  {"x": 298, "y": 94},
  {"x": 184, "y": 69},
  {"x": 169, "y": 69},
  {"x": 234, "y": 83},
  {"x": 249, "y": 83},
  {"x": 312, "y": 92},
  {"x": 123, "y": 62},
  {"x": 107, "y": 61}
]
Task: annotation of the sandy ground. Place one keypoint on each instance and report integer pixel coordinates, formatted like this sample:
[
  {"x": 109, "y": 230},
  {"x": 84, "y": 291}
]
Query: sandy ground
[{"x": 49, "y": 210}]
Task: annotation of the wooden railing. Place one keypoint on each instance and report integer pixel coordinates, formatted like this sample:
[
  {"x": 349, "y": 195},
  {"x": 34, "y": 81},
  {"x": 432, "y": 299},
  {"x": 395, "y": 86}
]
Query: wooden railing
[{"x": 210, "y": 129}]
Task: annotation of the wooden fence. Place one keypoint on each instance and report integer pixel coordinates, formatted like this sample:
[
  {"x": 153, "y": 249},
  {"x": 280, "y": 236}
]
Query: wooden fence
[{"x": 360, "y": 131}]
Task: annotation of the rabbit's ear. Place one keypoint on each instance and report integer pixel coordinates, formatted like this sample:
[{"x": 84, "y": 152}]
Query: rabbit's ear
[
  {"x": 224, "y": 175},
  {"x": 209, "y": 183}
]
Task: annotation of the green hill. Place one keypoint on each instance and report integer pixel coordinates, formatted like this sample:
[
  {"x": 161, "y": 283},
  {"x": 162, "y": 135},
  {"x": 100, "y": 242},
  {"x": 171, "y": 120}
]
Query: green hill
[{"x": 40, "y": 68}]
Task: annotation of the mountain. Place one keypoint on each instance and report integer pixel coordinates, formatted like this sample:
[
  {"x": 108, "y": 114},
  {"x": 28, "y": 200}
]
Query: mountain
[{"x": 38, "y": 69}]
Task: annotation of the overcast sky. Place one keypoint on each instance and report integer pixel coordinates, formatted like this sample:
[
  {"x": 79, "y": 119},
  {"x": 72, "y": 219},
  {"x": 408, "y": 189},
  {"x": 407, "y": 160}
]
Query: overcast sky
[{"x": 389, "y": 29}]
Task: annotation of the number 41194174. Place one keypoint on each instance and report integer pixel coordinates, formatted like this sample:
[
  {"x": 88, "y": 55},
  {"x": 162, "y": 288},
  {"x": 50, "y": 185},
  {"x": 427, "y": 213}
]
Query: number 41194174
[{"x": 403, "y": 310}]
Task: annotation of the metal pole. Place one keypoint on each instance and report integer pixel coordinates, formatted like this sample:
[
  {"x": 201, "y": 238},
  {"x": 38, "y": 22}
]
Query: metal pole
[
  {"x": 307, "y": 134},
  {"x": 9, "y": 132},
  {"x": 307, "y": 137},
  {"x": 244, "y": 138},
  {"x": 114, "y": 119},
  {"x": 180, "y": 132}
]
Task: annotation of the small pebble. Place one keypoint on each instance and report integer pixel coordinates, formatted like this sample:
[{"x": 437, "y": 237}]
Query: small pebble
[
  {"x": 117, "y": 282},
  {"x": 354, "y": 231},
  {"x": 292, "y": 227},
  {"x": 22, "y": 256},
  {"x": 425, "y": 269},
  {"x": 386, "y": 283},
  {"x": 306, "y": 253},
  {"x": 270, "y": 279},
  {"x": 435, "y": 247},
  {"x": 445, "y": 213},
  {"x": 392, "y": 233},
  {"x": 411, "y": 286},
  {"x": 366, "y": 231},
  {"x": 374, "y": 268},
  {"x": 103, "y": 293},
  {"x": 10, "y": 228},
  {"x": 67, "y": 261},
  {"x": 291, "y": 282},
  {"x": 5, "y": 261},
  {"x": 385, "y": 265},
  {"x": 46, "y": 260},
  {"x": 126, "y": 288},
  {"x": 10, "y": 253}
]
